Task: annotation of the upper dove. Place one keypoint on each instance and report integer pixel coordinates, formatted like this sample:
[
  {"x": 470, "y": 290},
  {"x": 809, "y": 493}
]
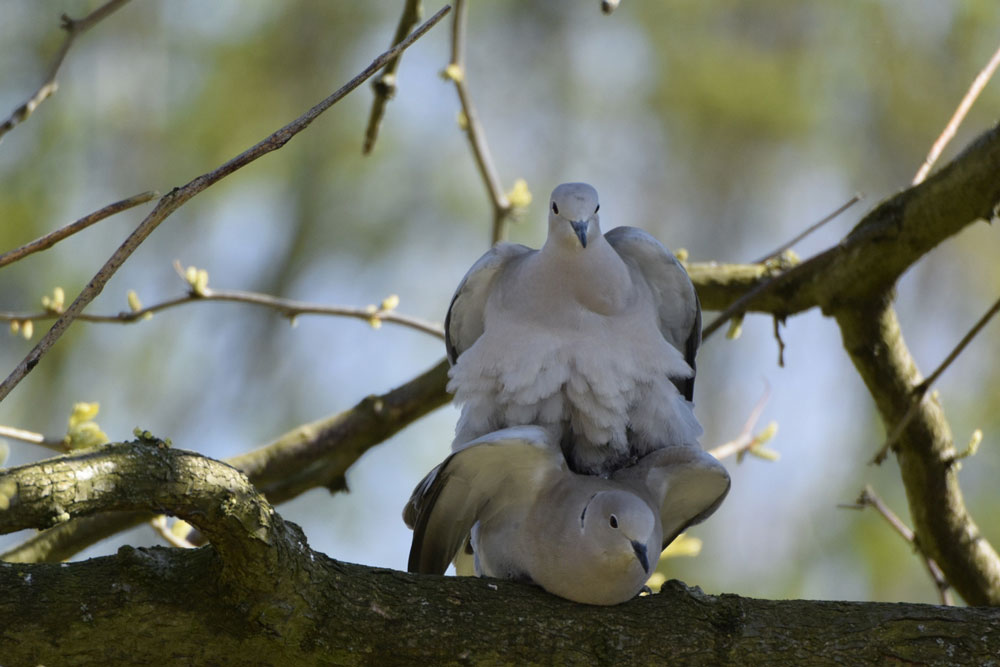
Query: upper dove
[
  {"x": 592, "y": 337},
  {"x": 582, "y": 537}
]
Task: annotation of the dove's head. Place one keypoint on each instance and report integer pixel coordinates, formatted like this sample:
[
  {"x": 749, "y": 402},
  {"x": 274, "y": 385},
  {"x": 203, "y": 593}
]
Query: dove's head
[
  {"x": 573, "y": 219},
  {"x": 621, "y": 534}
]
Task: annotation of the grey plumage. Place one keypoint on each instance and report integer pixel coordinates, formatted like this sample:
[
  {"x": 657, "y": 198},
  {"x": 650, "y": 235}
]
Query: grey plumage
[
  {"x": 531, "y": 518},
  {"x": 591, "y": 337}
]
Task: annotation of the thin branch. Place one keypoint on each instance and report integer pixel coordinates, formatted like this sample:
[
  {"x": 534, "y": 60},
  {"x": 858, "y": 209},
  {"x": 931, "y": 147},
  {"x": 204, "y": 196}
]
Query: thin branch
[
  {"x": 73, "y": 28},
  {"x": 920, "y": 391},
  {"x": 914, "y": 221},
  {"x": 286, "y": 307},
  {"x": 312, "y": 455},
  {"x": 781, "y": 343},
  {"x": 745, "y": 442},
  {"x": 179, "y": 196},
  {"x": 869, "y": 498},
  {"x": 159, "y": 525},
  {"x": 58, "y": 235},
  {"x": 12, "y": 433},
  {"x": 385, "y": 84},
  {"x": 473, "y": 130},
  {"x": 739, "y": 306},
  {"x": 956, "y": 119},
  {"x": 809, "y": 230}
]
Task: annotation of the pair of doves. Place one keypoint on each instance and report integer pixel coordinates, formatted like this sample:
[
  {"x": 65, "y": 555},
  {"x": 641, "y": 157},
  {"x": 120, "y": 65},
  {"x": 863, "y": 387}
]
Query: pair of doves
[{"x": 576, "y": 456}]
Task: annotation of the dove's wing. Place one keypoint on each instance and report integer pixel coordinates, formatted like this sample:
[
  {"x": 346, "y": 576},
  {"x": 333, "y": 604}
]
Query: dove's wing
[
  {"x": 503, "y": 471},
  {"x": 686, "y": 482},
  {"x": 675, "y": 300},
  {"x": 465, "y": 320}
]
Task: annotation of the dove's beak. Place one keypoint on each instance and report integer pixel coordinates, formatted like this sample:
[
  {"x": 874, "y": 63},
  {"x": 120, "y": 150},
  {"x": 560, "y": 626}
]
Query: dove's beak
[
  {"x": 640, "y": 553},
  {"x": 580, "y": 227}
]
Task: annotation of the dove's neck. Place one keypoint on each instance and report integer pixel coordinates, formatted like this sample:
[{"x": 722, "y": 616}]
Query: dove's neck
[{"x": 595, "y": 276}]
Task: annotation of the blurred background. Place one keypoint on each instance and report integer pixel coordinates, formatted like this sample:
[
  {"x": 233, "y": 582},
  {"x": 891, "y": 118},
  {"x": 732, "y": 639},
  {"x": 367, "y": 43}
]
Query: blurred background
[{"x": 720, "y": 126}]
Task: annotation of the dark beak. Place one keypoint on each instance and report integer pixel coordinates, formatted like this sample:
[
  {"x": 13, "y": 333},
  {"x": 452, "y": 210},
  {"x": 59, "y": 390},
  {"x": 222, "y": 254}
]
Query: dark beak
[
  {"x": 640, "y": 553},
  {"x": 580, "y": 227}
]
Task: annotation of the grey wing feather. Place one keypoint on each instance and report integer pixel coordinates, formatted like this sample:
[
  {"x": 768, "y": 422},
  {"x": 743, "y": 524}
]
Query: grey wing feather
[
  {"x": 464, "y": 322},
  {"x": 679, "y": 309},
  {"x": 686, "y": 482},
  {"x": 496, "y": 469}
]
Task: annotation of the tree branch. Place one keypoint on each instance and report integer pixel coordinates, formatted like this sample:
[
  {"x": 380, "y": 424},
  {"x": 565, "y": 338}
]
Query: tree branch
[
  {"x": 73, "y": 28},
  {"x": 473, "y": 129},
  {"x": 956, "y": 119},
  {"x": 286, "y": 307},
  {"x": 309, "y": 456},
  {"x": 168, "y": 602},
  {"x": 944, "y": 529},
  {"x": 385, "y": 85},
  {"x": 58, "y": 235},
  {"x": 887, "y": 241},
  {"x": 809, "y": 230},
  {"x": 920, "y": 391},
  {"x": 868, "y": 498},
  {"x": 179, "y": 196},
  {"x": 147, "y": 475}
]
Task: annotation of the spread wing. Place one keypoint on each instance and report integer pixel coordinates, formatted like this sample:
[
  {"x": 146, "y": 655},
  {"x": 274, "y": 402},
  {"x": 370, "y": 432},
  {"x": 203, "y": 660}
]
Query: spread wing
[
  {"x": 677, "y": 304},
  {"x": 464, "y": 322},
  {"x": 497, "y": 471},
  {"x": 686, "y": 482}
]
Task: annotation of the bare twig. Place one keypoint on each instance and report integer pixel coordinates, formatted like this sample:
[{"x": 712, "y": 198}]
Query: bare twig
[
  {"x": 287, "y": 307},
  {"x": 920, "y": 391},
  {"x": 159, "y": 525},
  {"x": 385, "y": 84},
  {"x": 956, "y": 119},
  {"x": 58, "y": 235},
  {"x": 869, "y": 498},
  {"x": 738, "y": 307},
  {"x": 809, "y": 230},
  {"x": 308, "y": 456},
  {"x": 73, "y": 28},
  {"x": 179, "y": 196},
  {"x": 34, "y": 438},
  {"x": 745, "y": 442},
  {"x": 781, "y": 343},
  {"x": 473, "y": 130}
]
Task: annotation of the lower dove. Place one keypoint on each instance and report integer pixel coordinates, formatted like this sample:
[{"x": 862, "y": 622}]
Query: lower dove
[{"x": 584, "y": 538}]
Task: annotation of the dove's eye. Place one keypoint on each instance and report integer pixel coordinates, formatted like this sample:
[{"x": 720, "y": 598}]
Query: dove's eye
[
  {"x": 597, "y": 209},
  {"x": 613, "y": 521},
  {"x": 555, "y": 209}
]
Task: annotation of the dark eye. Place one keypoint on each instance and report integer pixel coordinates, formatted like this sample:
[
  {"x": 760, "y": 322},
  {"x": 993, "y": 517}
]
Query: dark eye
[
  {"x": 597, "y": 209},
  {"x": 613, "y": 521},
  {"x": 555, "y": 209}
]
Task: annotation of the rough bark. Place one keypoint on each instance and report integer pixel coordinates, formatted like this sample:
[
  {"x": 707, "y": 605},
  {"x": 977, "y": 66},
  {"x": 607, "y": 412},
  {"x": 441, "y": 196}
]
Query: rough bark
[
  {"x": 259, "y": 595},
  {"x": 259, "y": 591},
  {"x": 944, "y": 529},
  {"x": 311, "y": 455},
  {"x": 161, "y": 606}
]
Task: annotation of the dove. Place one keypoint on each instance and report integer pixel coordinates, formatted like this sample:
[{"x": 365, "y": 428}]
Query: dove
[
  {"x": 592, "y": 337},
  {"x": 582, "y": 537}
]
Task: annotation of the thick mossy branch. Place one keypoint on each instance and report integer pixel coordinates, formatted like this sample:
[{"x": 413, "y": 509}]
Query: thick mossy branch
[
  {"x": 146, "y": 475},
  {"x": 310, "y": 456},
  {"x": 157, "y": 606},
  {"x": 925, "y": 451},
  {"x": 889, "y": 239}
]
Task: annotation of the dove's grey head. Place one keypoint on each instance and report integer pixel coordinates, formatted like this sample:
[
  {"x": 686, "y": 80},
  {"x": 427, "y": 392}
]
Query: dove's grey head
[
  {"x": 619, "y": 529},
  {"x": 573, "y": 219}
]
